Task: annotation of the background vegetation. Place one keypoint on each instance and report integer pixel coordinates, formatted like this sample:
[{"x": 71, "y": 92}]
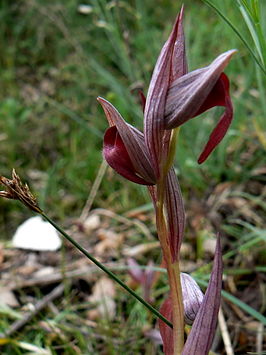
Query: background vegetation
[{"x": 54, "y": 62}]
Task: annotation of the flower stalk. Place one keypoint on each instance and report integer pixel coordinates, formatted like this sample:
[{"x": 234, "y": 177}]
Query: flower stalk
[{"x": 172, "y": 266}]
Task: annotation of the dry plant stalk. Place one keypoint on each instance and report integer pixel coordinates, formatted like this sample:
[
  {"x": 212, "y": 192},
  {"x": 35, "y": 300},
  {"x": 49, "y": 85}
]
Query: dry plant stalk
[{"x": 17, "y": 191}]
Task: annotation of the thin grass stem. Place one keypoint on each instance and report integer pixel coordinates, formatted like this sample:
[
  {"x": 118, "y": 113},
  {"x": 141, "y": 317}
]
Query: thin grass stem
[
  {"x": 237, "y": 33},
  {"x": 106, "y": 270}
]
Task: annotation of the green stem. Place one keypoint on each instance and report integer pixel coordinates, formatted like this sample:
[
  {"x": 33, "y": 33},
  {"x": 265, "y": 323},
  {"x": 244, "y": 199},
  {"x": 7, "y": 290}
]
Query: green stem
[{"x": 107, "y": 271}]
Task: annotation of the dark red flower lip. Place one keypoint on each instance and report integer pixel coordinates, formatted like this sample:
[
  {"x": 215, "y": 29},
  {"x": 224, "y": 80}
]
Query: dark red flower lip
[
  {"x": 219, "y": 96},
  {"x": 126, "y": 144},
  {"x": 116, "y": 155}
]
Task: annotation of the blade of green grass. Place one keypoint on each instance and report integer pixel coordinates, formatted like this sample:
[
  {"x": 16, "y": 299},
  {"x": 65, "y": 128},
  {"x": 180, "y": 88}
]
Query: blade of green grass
[
  {"x": 245, "y": 307},
  {"x": 238, "y": 33},
  {"x": 250, "y": 24}
]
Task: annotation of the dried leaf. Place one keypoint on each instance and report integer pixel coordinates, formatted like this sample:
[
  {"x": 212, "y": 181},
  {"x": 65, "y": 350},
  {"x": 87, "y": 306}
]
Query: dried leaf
[
  {"x": 103, "y": 295},
  {"x": 7, "y": 298},
  {"x": 91, "y": 223},
  {"x": 140, "y": 249},
  {"x": 109, "y": 241}
]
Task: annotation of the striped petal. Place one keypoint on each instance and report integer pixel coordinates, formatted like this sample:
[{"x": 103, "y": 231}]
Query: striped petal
[
  {"x": 202, "y": 333},
  {"x": 165, "y": 331},
  {"x": 125, "y": 149},
  {"x": 116, "y": 155},
  {"x": 170, "y": 65},
  {"x": 187, "y": 95},
  {"x": 175, "y": 214}
]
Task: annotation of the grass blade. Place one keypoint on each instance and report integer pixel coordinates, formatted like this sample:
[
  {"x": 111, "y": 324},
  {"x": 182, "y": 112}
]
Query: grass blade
[{"x": 237, "y": 32}]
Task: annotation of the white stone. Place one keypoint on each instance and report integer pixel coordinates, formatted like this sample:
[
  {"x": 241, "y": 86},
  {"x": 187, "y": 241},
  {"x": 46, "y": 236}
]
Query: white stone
[{"x": 36, "y": 234}]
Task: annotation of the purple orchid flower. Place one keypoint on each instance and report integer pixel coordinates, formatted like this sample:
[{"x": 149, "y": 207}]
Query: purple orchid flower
[{"x": 174, "y": 97}]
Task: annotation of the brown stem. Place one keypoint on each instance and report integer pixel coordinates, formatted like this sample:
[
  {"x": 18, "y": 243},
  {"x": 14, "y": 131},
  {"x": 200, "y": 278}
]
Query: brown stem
[
  {"x": 163, "y": 234},
  {"x": 173, "y": 272},
  {"x": 178, "y": 308}
]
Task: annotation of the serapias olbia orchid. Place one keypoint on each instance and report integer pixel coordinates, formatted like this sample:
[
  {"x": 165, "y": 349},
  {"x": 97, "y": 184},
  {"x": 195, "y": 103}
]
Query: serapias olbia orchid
[{"x": 174, "y": 97}]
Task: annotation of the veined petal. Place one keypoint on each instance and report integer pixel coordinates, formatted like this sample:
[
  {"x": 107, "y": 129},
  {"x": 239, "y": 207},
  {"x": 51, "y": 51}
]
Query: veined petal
[
  {"x": 192, "y": 297},
  {"x": 132, "y": 142},
  {"x": 179, "y": 61},
  {"x": 175, "y": 213},
  {"x": 170, "y": 65},
  {"x": 116, "y": 155},
  {"x": 201, "y": 336},
  {"x": 165, "y": 331},
  {"x": 192, "y": 300},
  {"x": 187, "y": 94},
  {"x": 220, "y": 96}
]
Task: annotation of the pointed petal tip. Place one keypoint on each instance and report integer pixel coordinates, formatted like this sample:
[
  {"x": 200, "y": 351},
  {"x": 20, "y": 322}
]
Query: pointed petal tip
[
  {"x": 181, "y": 13},
  {"x": 222, "y": 61},
  {"x": 227, "y": 55},
  {"x": 200, "y": 161},
  {"x": 218, "y": 249},
  {"x": 179, "y": 19},
  {"x": 101, "y": 100}
]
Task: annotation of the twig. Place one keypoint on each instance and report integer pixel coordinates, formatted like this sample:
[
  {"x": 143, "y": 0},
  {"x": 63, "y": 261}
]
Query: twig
[
  {"x": 259, "y": 338},
  {"x": 37, "y": 308},
  {"x": 94, "y": 190},
  {"x": 225, "y": 334},
  {"x": 57, "y": 276},
  {"x": 124, "y": 220}
]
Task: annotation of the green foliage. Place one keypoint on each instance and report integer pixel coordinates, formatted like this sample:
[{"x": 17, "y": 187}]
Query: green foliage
[{"x": 55, "y": 61}]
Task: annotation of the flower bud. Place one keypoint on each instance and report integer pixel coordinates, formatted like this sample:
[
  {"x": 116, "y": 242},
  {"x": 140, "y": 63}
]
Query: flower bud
[{"x": 192, "y": 297}]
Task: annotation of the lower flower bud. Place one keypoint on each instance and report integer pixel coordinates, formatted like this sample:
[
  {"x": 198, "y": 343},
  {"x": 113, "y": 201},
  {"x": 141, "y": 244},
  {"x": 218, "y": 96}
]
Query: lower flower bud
[{"x": 192, "y": 297}]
